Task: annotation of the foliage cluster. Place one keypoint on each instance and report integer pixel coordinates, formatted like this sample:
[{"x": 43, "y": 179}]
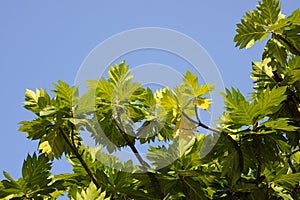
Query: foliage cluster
[{"x": 257, "y": 155}]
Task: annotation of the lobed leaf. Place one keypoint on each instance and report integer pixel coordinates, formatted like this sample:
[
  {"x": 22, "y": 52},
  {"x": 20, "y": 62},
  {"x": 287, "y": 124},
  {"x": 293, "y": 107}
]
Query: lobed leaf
[
  {"x": 66, "y": 94},
  {"x": 283, "y": 124},
  {"x": 269, "y": 101},
  {"x": 255, "y": 25},
  {"x": 91, "y": 193}
]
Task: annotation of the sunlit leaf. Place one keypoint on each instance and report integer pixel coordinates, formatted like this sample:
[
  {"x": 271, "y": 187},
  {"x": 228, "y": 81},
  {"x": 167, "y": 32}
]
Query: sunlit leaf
[{"x": 91, "y": 192}]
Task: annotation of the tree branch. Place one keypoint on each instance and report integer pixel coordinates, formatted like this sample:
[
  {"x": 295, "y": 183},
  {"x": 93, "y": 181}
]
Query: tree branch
[
  {"x": 290, "y": 161},
  {"x": 184, "y": 187},
  {"x": 234, "y": 143},
  {"x": 258, "y": 177},
  {"x": 291, "y": 165},
  {"x": 78, "y": 156},
  {"x": 144, "y": 164}
]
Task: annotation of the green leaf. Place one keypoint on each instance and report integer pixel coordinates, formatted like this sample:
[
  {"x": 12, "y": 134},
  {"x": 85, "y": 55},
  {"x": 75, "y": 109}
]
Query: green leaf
[
  {"x": 287, "y": 180},
  {"x": 36, "y": 128},
  {"x": 6, "y": 175},
  {"x": 36, "y": 183},
  {"x": 124, "y": 89},
  {"x": 274, "y": 49},
  {"x": 204, "y": 89},
  {"x": 293, "y": 70},
  {"x": 53, "y": 143},
  {"x": 191, "y": 81},
  {"x": 262, "y": 75},
  {"x": 36, "y": 171},
  {"x": 269, "y": 101},
  {"x": 280, "y": 124},
  {"x": 269, "y": 10},
  {"x": 119, "y": 73},
  {"x": 51, "y": 146},
  {"x": 250, "y": 29},
  {"x": 162, "y": 156},
  {"x": 36, "y": 101},
  {"x": 231, "y": 167},
  {"x": 103, "y": 89},
  {"x": 294, "y": 18},
  {"x": 255, "y": 24},
  {"x": 149, "y": 130},
  {"x": 9, "y": 187},
  {"x": 233, "y": 98},
  {"x": 91, "y": 193},
  {"x": 66, "y": 94},
  {"x": 189, "y": 93},
  {"x": 184, "y": 96},
  {"x": 292, "y": 35},
  {"x": 296, "y": 157},
  {"x": 50, "y": 110},
  {"x": 167, "y": 101},
  {"x": 107, "y": 133},
  {"x": 148, "y": 99},
  {"x": 241, "y": 113},
  {"x": 281, "y": 192},
  {"x": 194, "y": 188}
]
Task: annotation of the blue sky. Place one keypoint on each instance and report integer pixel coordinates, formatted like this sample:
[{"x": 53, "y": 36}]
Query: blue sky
[{"x": 42, "y": 42}]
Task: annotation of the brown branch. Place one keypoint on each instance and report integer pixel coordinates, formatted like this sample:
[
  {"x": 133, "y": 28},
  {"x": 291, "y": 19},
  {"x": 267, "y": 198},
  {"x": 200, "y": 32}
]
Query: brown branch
[
  {"x": 234, "y": 143},
  {"x": 292, "y": 166},
  {"x": 144, "y": 164},
  {"x": 258, "y": 177},
  {"x": 184, "y": 187},
  {"x": 78, "y": 156},
  {"x": 72, "y": 134},
  {"x": 290, "y": 161}
]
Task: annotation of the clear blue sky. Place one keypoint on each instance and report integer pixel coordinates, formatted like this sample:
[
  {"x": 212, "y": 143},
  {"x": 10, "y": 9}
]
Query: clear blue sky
[{"x": 44, "y": 41}]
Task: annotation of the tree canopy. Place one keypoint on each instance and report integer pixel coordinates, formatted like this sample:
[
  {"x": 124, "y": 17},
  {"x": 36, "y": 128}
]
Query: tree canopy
[{"x": 257, "y": 149}]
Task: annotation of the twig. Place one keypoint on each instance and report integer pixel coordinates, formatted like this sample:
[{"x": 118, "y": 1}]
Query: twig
[
  {"x": 78, "y": 156},
  {"x": 72, "y": 134},
  {"x": 258, "y": 178},
  {"x": 184, "y": 187},
  {"x": 144, "y": 164},
  {"x": 290, "y": 161},
  {"x": 234, "y": 143},
  {"x": 199, "y": 123},
  {"x": 292, "y": 166}
]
